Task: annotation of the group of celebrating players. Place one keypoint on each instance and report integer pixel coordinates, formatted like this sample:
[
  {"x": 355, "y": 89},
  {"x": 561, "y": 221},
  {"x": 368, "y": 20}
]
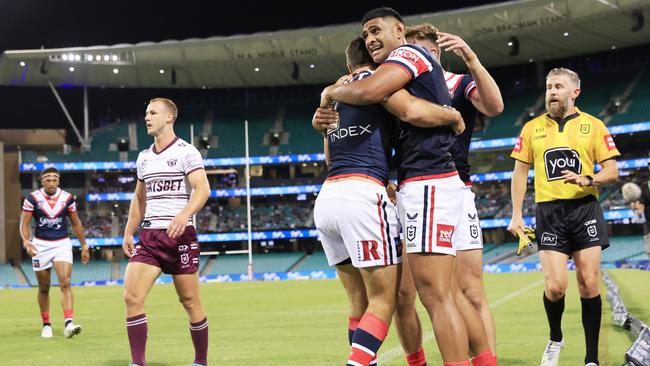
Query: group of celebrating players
[{"x": 387, "y": 242}]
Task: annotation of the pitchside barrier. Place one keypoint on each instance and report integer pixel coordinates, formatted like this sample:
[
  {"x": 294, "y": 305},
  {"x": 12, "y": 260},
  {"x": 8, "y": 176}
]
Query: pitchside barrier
[{"x": 639, "y": 353}]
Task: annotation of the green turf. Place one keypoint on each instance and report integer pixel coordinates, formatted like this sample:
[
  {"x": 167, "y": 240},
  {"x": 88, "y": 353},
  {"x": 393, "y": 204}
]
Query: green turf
[{"x": 289, "y": 323}]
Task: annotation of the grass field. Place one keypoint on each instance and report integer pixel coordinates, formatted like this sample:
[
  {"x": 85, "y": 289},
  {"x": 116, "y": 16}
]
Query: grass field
[{"x": 290, "y": 323}]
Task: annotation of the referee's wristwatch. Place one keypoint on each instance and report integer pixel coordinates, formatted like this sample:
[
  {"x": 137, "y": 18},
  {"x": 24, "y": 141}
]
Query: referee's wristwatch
[{"x": 590, "y": 180}]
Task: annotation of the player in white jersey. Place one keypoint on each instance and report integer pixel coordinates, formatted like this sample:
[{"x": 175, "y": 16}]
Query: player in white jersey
[
  {"x": 172, "y": 186},
  {"x": 51, "y": 246}
]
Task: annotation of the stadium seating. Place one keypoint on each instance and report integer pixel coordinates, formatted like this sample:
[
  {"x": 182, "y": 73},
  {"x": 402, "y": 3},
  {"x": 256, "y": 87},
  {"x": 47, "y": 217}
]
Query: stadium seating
[
  {"x": 95, "y": 270},
  {"x": 7, "y": 275},
  {"x": 313, "y": 262},
  {"x": 638, "y": 109},
  {"x": 229, "y": 264},
  {"x": 275, "y": 262}
]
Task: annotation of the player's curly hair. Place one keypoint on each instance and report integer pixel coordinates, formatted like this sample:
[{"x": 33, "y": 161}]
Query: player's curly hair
[
  {"x": 381, "y": 13},
  {"x": 424, "y": 31}
]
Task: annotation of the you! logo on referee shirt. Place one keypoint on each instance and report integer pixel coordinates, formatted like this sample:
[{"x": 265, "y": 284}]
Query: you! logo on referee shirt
[{"x": 559, "y": 159}]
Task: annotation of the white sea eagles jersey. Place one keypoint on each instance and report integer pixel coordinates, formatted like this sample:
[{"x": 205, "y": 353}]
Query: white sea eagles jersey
[{"x": 164, "y": 174}]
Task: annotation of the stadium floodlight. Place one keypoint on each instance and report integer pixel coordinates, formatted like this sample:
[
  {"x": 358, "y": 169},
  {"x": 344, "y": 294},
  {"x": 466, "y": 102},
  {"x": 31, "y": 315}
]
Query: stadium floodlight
[
  {"x": 122, "y": 144},
  {"x": 114, "y": 58},
  {"x": 89, "y": 58},
  {"x": 98, "y": 58},
  {"x": 257, "y": 69},
  {"x": 311, "y": 66},
  {"x": 22, "y": 64},
  {"x": 116, "y": 71},
  {"x": 71, "y": 68},
  {"x": 64, "y": 57},
  {"x": 77, "y": 58},
  {"x": 514, "y": 46},
  {"x": 162, "y": 71},
  {"x": 566, "y": 34},
  {"x": 107, "y": 58}
]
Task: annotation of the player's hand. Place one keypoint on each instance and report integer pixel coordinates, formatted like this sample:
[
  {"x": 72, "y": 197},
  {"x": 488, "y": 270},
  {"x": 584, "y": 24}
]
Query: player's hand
[
  {"x": 459, "y": 126},
  {"x": 177, "y": 226},
  {"x": 343, "y": 79},
  {"x": 30, "y": 248},
  {"x": 325, "y": 99},
  {"x": 128, "y": 246},
  {"x": 574, "y": 178},
  {"x": 453, "y": 43},
  {"x": 516, "y": 224},
  {"x": 85, "y": 255},
  {"x": 391, "y": 190},
  {"x": 325, "y": 118}
]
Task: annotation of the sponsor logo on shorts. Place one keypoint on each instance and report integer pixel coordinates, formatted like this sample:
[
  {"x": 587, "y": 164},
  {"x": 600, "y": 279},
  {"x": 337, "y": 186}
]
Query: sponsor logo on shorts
[
  {"x": 411, "y": 217},
  {"x": 559, "y": 159},
  {"x": 471, "y": 217},
  {"x": 445, "y": 232},
  {"x": 36, "y": 263},
  {"x": 548, "y": 239},
  {"x": 369, "y": 250},
  {"x": 591, "y": 230},
  {"x": 473, "y": 231},
  {"x": 410, "y": 233},
  {"x": 183, "y": 248}
]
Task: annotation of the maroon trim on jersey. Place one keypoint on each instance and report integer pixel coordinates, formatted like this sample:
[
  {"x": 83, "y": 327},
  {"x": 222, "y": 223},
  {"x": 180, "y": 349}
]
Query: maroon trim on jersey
[
  {"x": 168, "y": 196},
  {"x": 193, "y": 170},
  {"x": 428, "y": 177},
  {"x": 166, "y": 147},
  {"x": 343, "y": 176}
]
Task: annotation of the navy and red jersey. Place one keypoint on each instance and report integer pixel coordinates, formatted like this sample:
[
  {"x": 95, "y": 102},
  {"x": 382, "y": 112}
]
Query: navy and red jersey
[
  {"x": 461, "y": 88},
  {"x": 50, "y": 212},
  {"x": 423, "y": 152},
  {"x": 362, "y": 143}
]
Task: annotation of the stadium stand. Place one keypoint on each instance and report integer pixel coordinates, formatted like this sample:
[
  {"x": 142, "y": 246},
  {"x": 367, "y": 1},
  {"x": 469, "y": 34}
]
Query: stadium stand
[
  {"x": 8, "y": 275},
  {"x": 313, "y": 262}
]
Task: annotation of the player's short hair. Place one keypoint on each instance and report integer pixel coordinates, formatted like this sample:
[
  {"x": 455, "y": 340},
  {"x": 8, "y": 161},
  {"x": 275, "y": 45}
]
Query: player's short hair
[
  {"x": 382, "y": 12},
  {"x": 356, "y": 54},
  {"x": 168, "y": 103},
  {"x": 573, "y": 76},
  {"x": 424, "y": 31},
  {"x": 49, "y": 171}
]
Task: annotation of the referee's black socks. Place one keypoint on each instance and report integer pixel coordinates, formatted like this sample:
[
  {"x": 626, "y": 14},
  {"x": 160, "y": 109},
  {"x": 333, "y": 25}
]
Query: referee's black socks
[
  {"x": 554, "y": 311},
  {"x": 591, "y": 313}
]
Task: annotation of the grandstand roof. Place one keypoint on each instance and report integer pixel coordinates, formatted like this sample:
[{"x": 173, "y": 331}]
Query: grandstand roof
[{"x": 543, "y": 30}]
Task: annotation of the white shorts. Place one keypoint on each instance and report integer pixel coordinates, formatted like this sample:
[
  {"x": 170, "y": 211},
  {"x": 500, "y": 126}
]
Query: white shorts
[
  {"x": 50, "y": 251},
  {"x": 356, "y": 220},
  {"x": 468, "y": 235},
  {"x": 430, "y": 212}
]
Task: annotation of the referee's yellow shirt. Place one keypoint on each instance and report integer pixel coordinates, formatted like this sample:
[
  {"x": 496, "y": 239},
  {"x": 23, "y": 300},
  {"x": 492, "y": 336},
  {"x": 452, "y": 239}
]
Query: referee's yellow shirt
[{"x": 576, "y": 143}]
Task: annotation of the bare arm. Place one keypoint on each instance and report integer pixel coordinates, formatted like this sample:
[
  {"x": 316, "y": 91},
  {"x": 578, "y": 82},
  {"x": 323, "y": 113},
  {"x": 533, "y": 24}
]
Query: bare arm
[
  {"x": 136, "y": 214},
  {"x": 382, "y": 83},
  {"x": 78, "y": 229},
  {"x": 422, "y": 113},
  {"x": 487, "y": 98},
  {"x": 25, "y": 218},
  {"x": 518, "y": 193},
  {"x": 326, "y": 149},
  {"x": 200, "y": 193}
]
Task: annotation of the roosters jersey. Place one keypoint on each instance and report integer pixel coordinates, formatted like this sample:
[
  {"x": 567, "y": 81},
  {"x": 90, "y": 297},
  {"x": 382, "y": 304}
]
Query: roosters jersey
[
  {"x": 50, "y": 212},
  {"x": 461, "y": 88},
  {"x": 164, "y": 174},
  {"x": 362, "y": 142},
  {"x": 422, "y": 152},
  {"x": 575, "y": 143}
]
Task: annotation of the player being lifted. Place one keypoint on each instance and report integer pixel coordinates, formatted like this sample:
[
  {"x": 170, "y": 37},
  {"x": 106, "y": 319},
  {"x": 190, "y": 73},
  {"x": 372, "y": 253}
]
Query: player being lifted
[
  {"x": 357, "y": 224},
  {"x": 476, "y": 91},
  {"x": 429, "y": 184},
  {"x": 172, "y": 186},
  {"x": 51, "y": 245},
  {"x": 564, "y": 145}
]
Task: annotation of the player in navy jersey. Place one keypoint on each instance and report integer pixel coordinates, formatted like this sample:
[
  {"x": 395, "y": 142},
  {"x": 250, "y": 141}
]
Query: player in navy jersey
[
  {"x": 476, "y": 91},
  {"x": 172, "y": 186},
  {"x": 428, "y": 202},
  {"x": 357, "y": 223},
  {"x": 51, "y": 246}
]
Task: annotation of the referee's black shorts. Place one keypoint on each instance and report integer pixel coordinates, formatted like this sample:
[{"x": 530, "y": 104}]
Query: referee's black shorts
[{"x": 569, "y": 226}]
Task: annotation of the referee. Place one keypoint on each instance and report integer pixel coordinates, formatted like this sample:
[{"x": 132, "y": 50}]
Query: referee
[{"x": 564, "y": 145}]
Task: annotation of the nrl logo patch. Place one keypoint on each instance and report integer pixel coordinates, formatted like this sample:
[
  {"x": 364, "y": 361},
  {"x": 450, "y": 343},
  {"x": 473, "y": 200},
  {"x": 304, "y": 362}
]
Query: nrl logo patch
[
  {"x": 585, "y": 128},
  {"x": 410, "y": 233}
]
